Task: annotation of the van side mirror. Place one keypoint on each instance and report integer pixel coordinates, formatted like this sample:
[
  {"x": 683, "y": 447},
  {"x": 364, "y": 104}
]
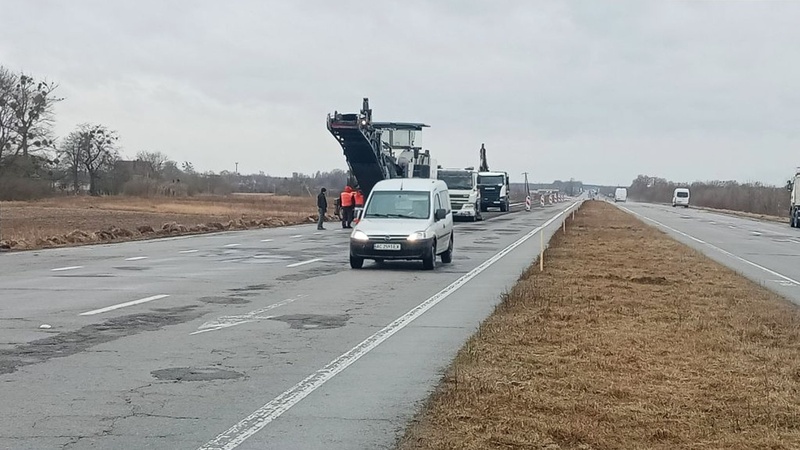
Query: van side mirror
[{"x": 440, "y": 214}]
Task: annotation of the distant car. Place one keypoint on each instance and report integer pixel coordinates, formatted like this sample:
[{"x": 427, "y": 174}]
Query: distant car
[
  {"x": 680, "y": 197},
  {"x": 404, "y": 219}
]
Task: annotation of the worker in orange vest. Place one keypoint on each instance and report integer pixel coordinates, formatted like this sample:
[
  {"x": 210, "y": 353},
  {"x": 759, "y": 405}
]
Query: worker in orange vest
[
  {"x": 347, "y": 200},
  {"x": 359, "y": 198}
]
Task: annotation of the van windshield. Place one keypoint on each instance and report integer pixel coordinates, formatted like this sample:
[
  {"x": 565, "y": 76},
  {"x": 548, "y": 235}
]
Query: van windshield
[
  {"x": 491, "y": 179},
  {"x": 399, "y": 205},
  {"x": 456, "y": 179},
  {"x": 683, "y": 194}
]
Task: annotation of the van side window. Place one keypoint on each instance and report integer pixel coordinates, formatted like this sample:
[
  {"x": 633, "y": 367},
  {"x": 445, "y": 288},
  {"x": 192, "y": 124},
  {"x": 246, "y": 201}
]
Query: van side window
[{"x": 437, "y": 203}]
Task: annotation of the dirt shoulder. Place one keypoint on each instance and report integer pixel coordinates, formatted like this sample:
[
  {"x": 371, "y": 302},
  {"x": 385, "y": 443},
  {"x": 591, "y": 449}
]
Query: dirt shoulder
[
  {"x": 628, "y": 339},
  {"x": 70, "y": 221}
]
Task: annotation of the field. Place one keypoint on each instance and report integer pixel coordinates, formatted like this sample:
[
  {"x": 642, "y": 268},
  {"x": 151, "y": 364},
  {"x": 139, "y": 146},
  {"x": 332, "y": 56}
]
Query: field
[
  {"x": 627, "y": 340},
  {"x": 80, "y": 220}
]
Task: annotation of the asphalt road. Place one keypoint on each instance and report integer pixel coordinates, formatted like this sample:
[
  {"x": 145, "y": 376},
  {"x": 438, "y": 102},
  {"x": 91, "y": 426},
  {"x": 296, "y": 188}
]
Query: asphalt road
[
  {"x": 252, "y": 339},
  {"x": 766, "y": 252}
]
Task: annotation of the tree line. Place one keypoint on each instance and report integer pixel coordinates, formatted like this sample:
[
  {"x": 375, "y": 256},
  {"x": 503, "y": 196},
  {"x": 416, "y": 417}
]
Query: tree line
[
  {"x": 34, "y": 163},
  {"x": 757, "y": 198}
]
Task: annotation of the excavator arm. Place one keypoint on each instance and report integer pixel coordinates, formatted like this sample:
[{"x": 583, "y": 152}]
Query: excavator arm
[{"x": 484, "y": 167}]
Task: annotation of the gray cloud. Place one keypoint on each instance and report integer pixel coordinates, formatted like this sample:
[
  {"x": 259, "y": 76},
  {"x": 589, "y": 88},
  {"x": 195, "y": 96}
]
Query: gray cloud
[{"x": 600, "y": 91}]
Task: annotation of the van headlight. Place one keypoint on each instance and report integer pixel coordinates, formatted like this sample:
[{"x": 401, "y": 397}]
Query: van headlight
[
  {"x": 359, "y": 235},
  {"x": 419, "y": 235}
]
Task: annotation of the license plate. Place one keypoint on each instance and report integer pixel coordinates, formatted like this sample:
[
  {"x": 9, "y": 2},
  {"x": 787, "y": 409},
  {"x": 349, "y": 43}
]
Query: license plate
[{"x": 387, "y": 247}]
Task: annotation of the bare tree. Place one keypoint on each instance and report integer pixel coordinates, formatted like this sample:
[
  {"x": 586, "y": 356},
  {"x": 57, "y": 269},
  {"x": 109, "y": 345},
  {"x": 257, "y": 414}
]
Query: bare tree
[
  {"x": 32, "y": 103},
  {"x": 95, "y": 148},
  {"x": 156, "y": 160},
  {"x": 70, "y": 154},
  {"x": 8, "y": 121}
]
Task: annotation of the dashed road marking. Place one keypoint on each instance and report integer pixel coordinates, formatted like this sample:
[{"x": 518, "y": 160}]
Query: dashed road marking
[
  {"x": 267, "y": 240},
  {"x": 232, "y": 245},
  {"x": 297, "y": 236},
  {"x": 303, "y": 263},
  {"x": 123, "y": 305},
  {"x": 61, "y": 269},
  {"x": 189, "y": 251},
  {"x": 136, "y": 258}
]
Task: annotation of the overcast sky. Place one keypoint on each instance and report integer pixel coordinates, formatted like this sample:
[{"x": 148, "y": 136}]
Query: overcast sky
[{"x": 598, "y": 91}]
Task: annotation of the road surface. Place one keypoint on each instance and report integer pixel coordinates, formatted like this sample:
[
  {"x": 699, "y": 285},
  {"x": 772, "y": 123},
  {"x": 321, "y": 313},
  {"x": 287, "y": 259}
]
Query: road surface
[
  {"x": 766, "y": 252},
  {"x": 251, "y": 339}
]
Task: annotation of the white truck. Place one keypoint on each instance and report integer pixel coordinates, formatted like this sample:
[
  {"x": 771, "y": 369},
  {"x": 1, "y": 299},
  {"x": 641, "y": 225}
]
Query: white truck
[
  {"x": 621, "y": 195},
  {"x": 464, "y": 193},
  {"x": 794, "y": 208}
]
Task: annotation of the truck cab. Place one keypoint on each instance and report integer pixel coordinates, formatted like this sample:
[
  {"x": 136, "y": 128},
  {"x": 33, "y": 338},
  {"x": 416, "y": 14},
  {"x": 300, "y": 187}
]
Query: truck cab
[
  {"x": 495, "y": 190},
  {"x": 464, "y": 194},
  {"x": 794, "y": 208}
]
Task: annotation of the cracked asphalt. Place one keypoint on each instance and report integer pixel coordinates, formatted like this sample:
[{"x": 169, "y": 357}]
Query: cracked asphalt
[{"x": 169, "y": 343}]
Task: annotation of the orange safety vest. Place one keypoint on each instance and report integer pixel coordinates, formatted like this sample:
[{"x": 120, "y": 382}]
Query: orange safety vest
[
  {"x": 347, "y": 199},
  {"x": 359, "y": 199}
]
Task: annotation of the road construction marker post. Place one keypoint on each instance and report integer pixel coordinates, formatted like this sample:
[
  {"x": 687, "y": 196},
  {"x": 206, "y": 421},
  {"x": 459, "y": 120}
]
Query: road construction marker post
[
  {"x": 528, "y": 203},
  {"x": 541, "y": 250}
]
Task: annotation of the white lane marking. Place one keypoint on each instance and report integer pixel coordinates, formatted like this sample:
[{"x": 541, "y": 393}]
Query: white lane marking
[
  {"x": 61, "y": 269},
  {"x": 188, "y": 251},
  {"x": 266, "y": 240},
  {"x": 318, "y": 232},
  {"x": 136, "y": 258},
  {"x": 232, "y": 245},
  {"x": 297, "y": 236},
  {"x": 303, "y": 263},
  {"x": 252, "y": 316},
  {"x": 253, "y": 423},
  {"x": 123, "y": 305},
  {"x": 724, "y": 252}
]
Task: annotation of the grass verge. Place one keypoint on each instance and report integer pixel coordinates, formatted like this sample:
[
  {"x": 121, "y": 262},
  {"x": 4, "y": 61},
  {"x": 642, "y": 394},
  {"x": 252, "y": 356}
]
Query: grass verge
[{"x": 627, "y": 340}]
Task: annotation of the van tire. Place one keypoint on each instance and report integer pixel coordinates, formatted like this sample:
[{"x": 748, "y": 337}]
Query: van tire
[
  {"x": 447, "y": 257},
  {"x": 429, "y": 263},
  {"x": 356, "y": 262}
]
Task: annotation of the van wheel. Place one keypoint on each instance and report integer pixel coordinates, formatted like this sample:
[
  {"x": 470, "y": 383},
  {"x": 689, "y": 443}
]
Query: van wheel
[
  {"x": 504, "y": 207},
  {"x": 356, "y": 262},
  {"x": 447, "y": 257},
  {"x": 429, "y": 263}
]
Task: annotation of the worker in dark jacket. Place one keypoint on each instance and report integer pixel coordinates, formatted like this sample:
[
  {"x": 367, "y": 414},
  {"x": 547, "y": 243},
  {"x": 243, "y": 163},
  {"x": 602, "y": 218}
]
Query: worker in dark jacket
[{"x": 322, "y": 207}]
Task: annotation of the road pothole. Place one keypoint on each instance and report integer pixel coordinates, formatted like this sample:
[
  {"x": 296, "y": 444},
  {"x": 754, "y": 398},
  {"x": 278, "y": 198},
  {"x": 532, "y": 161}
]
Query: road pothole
[
  {"x": 195, "y": 374},
  {"x": 313, "y": 321},
  {"x": 224, "y": 300}
]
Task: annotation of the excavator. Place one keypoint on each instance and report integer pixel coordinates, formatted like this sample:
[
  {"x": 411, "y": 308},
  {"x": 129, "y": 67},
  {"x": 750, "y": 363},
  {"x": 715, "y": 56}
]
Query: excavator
[
  {"x": 378, "y": 151},
  {"x": 494, "y": 186}
]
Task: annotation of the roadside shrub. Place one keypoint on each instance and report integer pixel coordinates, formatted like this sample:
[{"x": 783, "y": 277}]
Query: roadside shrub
[{"x": 17, "y": 188}]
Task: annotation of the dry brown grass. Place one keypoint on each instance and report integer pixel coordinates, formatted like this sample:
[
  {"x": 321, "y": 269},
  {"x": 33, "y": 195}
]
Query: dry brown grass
[
  {"x": 30, "y": 224},
  {"x": 627, "y": 340}
]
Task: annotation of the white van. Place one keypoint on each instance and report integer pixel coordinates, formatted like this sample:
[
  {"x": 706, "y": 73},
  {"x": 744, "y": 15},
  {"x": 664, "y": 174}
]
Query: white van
[
  {"x": 404, "y": 218},
  {"x": 620, "y": 195},
  {"x": 680, "y": 197}
]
